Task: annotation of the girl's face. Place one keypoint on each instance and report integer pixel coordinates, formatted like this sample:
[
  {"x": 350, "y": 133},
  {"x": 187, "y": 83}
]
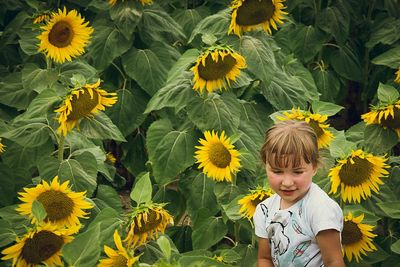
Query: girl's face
[{"x": 291, "y": 183}]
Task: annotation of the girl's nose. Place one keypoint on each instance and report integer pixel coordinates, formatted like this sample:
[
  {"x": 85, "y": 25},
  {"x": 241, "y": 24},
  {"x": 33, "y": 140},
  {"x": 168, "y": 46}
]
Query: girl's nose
[{"x": 287, "y": 181}]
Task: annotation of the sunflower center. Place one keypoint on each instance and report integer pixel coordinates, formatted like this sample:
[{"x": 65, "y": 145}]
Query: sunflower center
[
  {"x": 83, "y": 105},
  {"x": 357, "y": 173},
  {"x": 351, "y": 233},
  {"x": 315, "y": 125},
  {"x": 41, "y": 246},
  {"x": 57, "y": 204},
  {"x": 214, "y": 70},
  {"x": 253, "y": 12},
  {"x": 219, "y": 155},
  {"x": 392, "y": 122},
  {"x": 120, "y": 261},
  {"x": 61, "y": 34},
  {"x": 151, "y": 223}
]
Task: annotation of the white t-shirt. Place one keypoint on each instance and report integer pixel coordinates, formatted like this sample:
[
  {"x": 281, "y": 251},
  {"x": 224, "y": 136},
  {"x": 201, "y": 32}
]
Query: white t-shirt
[{"x": 291, "y": 232}]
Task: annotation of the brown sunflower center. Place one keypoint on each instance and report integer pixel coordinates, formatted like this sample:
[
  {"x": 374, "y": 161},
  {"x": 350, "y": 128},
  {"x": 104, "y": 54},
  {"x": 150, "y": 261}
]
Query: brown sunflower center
[
  {"x": 254, "y": 12},
  {"x": 120, "y": 261},
  {"x": 219, "y": 155},
  {"x": 151, "y": 223},
  {"x": 351, "y": 233},
  {"x": 392, "y": 122},
  {"x": 83, "y": 105},
  {"x": 41, "y": 247},
  {"x": 61, "y": 34},
  {"x": 357, "y": 173},
  {"x": 318, "y": 130},
  {"x": 214, "y": 70},
  {"x": 57, "y": 204}
]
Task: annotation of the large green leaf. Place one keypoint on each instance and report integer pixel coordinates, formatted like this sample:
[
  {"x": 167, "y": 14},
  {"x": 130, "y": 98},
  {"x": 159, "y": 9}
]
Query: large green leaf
[
  {"x": 126, "y": 16},
  {"x": 182, "y": 65},
  {"x": 109, "y": 220},
  {"x": 390, "y": 58},
  {"x": 171, "y": 151},
  {"x": 387, "y": 94},
  {"x": 142, "y": 190},
  {"x": 134, "y": 153},
  {"x": 215, "y": 112},
  {"x": 307, "y": 41},
  {"x": 145, "y": 68},
  {"x": 84, "y": 250},
  {"x": 336, "y": 22},
  {"x": 28, "y": 41},
  {"x": 215, "y": 24},
  {"x": 327, "y": 83},
  {"x": 196, "y": 261},
  {"x": 395, "y": 247},
  {"x": 346, "y": 63},
  {"x": 69, "y": 69},
  {"x": 188, "y": 19},
  {"x": 29, "y": 133},
  {"x": 340, "y": 147},
  {"x": 7, "y": 235},
  {"x": 100, "y": 127},
  {"x": 202, "y": 195},
  {"x": 37, "y": 79},
  {"x": 325, "y": 108},
  {"x": 13, "y": 93},
  {"x": 109, "y": 196},
  {"x": 384, "y": 31},
  {"x": 207, "y": 230},
  {"x": 379, "y": 139}
]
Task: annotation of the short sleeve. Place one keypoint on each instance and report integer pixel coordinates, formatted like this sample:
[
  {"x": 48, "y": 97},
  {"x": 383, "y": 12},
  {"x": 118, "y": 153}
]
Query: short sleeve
[
  {"x": 260, "y": 220},
  {"x": 326, "y": 215}
]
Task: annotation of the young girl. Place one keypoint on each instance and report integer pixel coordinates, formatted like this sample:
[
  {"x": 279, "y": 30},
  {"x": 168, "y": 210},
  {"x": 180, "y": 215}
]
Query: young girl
[{"x": 300, "y": 225}]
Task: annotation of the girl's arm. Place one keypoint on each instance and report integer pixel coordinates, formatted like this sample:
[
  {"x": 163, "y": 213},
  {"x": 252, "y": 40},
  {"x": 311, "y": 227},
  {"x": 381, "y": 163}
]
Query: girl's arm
[
  {"x": 264, "y": 253},
  {"x": 330, "y": 247}
]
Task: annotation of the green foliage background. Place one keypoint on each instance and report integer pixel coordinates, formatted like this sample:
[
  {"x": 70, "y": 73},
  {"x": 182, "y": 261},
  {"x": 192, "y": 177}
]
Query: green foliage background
[{"x": 328, "y": 54}]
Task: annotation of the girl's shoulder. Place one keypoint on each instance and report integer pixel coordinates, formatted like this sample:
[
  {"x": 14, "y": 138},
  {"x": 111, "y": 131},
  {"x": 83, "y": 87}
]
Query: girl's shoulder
[{"x": 319, "y": 202}]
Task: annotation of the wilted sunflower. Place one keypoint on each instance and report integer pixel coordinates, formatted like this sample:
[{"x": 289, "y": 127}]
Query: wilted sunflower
[
  {"x": 143, "y": 2},
  {"x": 145, "y": 222},
  {"x": 119, "y": 257},
  {"x": 357, "y": 175},
  {"x": 316, "y": 121},
  {"x": 217, "y": 156},
  {"x": 397, "y": 79},
  {"x": 216, "y": 68},
  {"x": 64, "y": 36},
  {"x": 250, "y": 201},
  {"x": 41, "y": 245},
  {"x": 388, "y": 116},
  {"x": 41, "y": 18},
  {"x": 63, "y": 206},
  {"x": 2, "y": 147},
  {"x": 248, "y": 15},
  {"x": 356, "y": 237},
  {"x": 83, "y": 102}
]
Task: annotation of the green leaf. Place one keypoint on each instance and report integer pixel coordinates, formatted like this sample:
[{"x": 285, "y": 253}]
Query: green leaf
[
  {"x": 48, "y": 167},
  {"x": 325, "y": 108},
  {"x": 216, "y": 112},
  {"x": 188, "y": 19},
  {"x": 134, "y": 153},
  {"x": 395, "y": 247},
  {"x": 108, "y": 219},
  {"x": 307, "y": 42},
  {"x": 107, "y": 44},
  {"x": 387, "y": 94},
  {"x": 232, "y": 209},
  {"x": 100, "y": 127},
  {"x": 340, "y": 147},
  {"x": 126, "y": 16},
  {"x": 384, "y": 31},
  {"x": 182, "y": 65},
  {"x": 165, "y": 246},
  {"x": 110, "y": 196},
  {"x": 334, "y": 21},
  {"x": 390, "y": 58},
  {"x": 207, "y": 230},
  {"x": 217, "y": 25},
  {"x": 196, "y": 261},
  {"x": 127, "y": 113},
  {"x": 391, "y": 209},
  {"x": 202, "y": 195},
  {"x": 29, "y": 42},
  {"x": 379, "y": 139},
  {"x": 327, "y": 83},
  {"x": 84, "y": 250},
  {"x": 37, "y": 79},
  {"x": 142, "y": 190},
  {"x": 69, "y": 69},
  {"x": 12, "y": 92},
  {"x": 32, "y": 133},
  {"x": 171, "y": 151},
  {"x": 145, "y": 68},
  {"x": 7, "y": 188},
  {"x": 346, "y": 63},
  {"x": 7, "y": 235},
  {"x": 38, "y": 211}
]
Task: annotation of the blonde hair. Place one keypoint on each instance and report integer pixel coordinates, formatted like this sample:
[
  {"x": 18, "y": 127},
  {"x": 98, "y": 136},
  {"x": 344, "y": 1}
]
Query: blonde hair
[{"x": 288, "y": 143}]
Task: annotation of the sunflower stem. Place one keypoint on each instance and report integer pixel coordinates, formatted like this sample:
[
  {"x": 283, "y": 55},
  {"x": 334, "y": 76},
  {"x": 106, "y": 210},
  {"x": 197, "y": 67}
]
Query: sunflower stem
[
  {"x": 49, "y": 63},
  {"x": 236, "y": 229},
  {"x": 61, "y": 148}
]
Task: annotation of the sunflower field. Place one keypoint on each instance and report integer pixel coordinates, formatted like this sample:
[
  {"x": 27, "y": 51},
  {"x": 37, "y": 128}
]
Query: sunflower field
[{"x": 130, "y": 130}]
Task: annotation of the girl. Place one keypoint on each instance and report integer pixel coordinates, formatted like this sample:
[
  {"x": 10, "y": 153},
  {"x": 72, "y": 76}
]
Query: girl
[{"x": 300, "y": 224}]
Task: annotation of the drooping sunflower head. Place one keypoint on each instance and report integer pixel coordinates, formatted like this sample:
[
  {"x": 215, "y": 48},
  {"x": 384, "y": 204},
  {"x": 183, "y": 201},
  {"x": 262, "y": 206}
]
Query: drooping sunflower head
[
  {"x": 397, "y": 79},
  {"x": 63, "y": 206},
  {"x": 2, "y": 147},
  {"x": 83, "y": 102},
  {"x": 217, "y": 156},
  {"x": 143, "y": 2},
  {"x": 145, "y": 222},
  {"x": 248, "y": 15},
  {"x": 41, "y": 245},
  {"x": 358, "y": 174},
  {"x": 356, "y": 237},
  {"x": 119, "y": 257},
  {"x": 249, "y": 202},
  {"x": 387, "y": 116},
  {"x": 316, "y": 121},
  {"x": 216, "y": 68},
  {"x": 65, "y": 36}
]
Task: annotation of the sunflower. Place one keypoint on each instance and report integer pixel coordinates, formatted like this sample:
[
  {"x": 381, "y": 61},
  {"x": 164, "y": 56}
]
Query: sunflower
[
  {"x": 83, "y": 102},
  {"x": 119, "y": 257},
  {"x": 397, "y": 79},
  {"x": 2, "y": 147},
  {"x": 41, "y": 18},
  {"x": 248, "y": 15},
  {"x": 216, "y": 68},
  {"x": 63, "y": 206},
  {"x": 111, "y": 158},
  {"x": 146, "y": 221},
  {"x": 316, "y": 121},
  {"x": 41, "y": 245},
  {"x": 357, "y": 175},
  {"x": 250, "y": 201},
  {"x": 217, "y": 156},
  {"x": 356, "y": 237},
  {"x": 64, "y": 36},
  {"x": 388, "y": 116},
  {"x": 143, "y": 2}
]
